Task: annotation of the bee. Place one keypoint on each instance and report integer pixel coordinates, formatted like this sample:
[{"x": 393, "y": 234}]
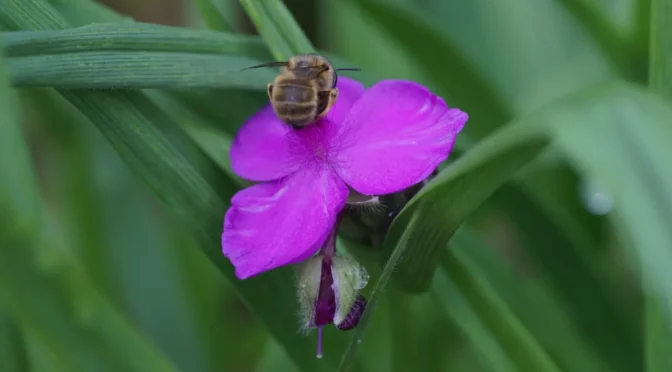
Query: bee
[{"x": 305, "y": 89}]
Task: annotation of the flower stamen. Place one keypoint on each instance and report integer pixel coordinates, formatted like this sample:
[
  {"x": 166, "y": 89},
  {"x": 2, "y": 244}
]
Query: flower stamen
[{"x": 319, "y": 342}]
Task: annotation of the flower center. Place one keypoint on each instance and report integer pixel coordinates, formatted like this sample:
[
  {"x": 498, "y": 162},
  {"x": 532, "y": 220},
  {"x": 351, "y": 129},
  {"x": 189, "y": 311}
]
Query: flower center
[
  {"x": 313, "y": 142},
  {"x": 320, "y": 151}
]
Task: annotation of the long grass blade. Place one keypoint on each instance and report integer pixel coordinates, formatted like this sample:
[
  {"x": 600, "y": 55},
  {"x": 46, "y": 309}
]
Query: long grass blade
[
  {"x": 348, "y": 359},
  {"x": 132, "y": 36},
  {"x": 658, "y": 327},
  {"x": 213, "y": 16},
  {"x": 136, "y": 70},
  {"x": 39, "y": 282},
  {"x": 137, "y": 131},
  {"x": 514, "y": 338},
  {"x": 277, "y": 27}
]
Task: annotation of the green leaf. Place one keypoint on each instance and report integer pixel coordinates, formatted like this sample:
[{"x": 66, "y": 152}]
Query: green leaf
[
  {"x": 277, "y": 27},
  {"x": 134, "y": 55},
  {"x": 48, "y": 293},
  {"x": 609, "y": 38},
  {"x": 74, "y": 192},
  {"x": 401, "y": 319},
  {"x": 98, "y": 198},
  {"x": 522, "y": 348},
  {"x": 18, "y": 207},
  {"x": 132, "y": 36},
  {"x": 658, "y": 327},
  {"x": 349, "y": 357},
  {"x": 660, "y": 63},
  {"x": 12, "y": 347},
  {"x": 40, "y": 284},
  {"x": 466, "y": 183},
  {"x": 18, "y": 198},
  {"x": 213, "y": 16},
  {"x": 496, "y": 39},
  {"x": 658, "y": 335},
  {"x": 84, "y": 12},
  {"x": 458, "y": 309},
  {"x": 452, "y": 75},
  {"x": 602, "y": 136},
  {"x": 194, "y": 204},
  {"x": 533, "y": 302},
  {"x": 137, "y": 130},
  {"x": 135, "y": 70},
  {"x": 456, "y": 192},
  {"x": 575, "y": 271}
]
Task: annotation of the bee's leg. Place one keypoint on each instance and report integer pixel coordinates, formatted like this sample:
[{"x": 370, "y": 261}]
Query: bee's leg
[
  {"x": 269, "y": 90},
  {"x": 329, "y": 99}
]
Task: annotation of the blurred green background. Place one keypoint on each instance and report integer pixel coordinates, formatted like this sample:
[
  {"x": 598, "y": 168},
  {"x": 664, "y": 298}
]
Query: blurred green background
[{"x": 543, "y": 245}]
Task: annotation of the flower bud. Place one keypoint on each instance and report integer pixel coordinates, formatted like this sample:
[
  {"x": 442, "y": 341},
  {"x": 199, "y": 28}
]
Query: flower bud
[{"x": 328, "y": 292}]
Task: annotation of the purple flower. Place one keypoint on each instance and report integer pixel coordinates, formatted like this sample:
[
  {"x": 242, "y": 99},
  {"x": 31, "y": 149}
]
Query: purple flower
[
  {"x": 374, "y": 141},
  {"x": 328, "y": 290}
]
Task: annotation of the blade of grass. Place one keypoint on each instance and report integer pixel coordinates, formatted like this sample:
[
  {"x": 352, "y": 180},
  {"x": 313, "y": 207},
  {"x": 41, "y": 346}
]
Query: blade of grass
[
  {"x": 132, "y": 36},
  {"x": 658, "y": 336},
  {"x": 133, "y": 239},
  {"x": 135, "y": 70},
  {"x": 604, "y": 313},
  {"x": 488, "y": 165},
  {"x": 403, "y": 354},
  {"x": 456, "y": 307},
  {"x": 660, "y": 62},
  {"x": 84, "y": 12},
  {"x": 518, "y": 343},
  {"x": 608, "y": 37},
  {"x": 136, "y": 131},
  {"x": 642, "y": 198},
  {"x": 39, "y": 283},
  {"x": 349, "y": 356},
  {"x": 533, "y": 302},
  {"x": 12, "y": 347},
  {"x": 456, "y": 192},
  {"x": 213, "y": 17},
  {"x": 658, "y": 327},
  {"x": 278, "y": 28},
  {"x": 453, "y": 76},
  {"x": 75, "y": 197}
]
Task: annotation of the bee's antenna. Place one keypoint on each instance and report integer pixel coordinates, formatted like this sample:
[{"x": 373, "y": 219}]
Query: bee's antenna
[
  {"x": 267, "y": 64},
  {"x": 348, "y": 69}
]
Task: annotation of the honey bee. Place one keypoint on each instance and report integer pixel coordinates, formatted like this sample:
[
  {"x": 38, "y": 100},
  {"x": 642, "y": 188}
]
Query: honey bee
[{"x": 305, "y": 90}]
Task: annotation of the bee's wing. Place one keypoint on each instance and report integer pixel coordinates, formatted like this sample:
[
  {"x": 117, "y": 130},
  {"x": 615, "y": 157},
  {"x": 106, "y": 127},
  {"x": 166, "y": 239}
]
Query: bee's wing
[{"x": 267, "y": 64}]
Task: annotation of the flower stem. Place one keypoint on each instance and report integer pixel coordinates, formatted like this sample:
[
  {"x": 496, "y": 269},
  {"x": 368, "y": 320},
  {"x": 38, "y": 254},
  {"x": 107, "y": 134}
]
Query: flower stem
[{"x": 329, "y": 247}]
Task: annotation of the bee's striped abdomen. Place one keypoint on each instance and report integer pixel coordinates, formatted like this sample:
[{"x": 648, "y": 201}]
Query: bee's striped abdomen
[{"x": 295, "y": 102}]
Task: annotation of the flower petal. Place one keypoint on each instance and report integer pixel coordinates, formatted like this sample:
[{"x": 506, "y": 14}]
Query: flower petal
[
  {"x": 308, "y": 286},
  {"x": 261, "y": 151},
  {"x": 281, "y": 222},
  {"x": 266, "y": 149},
  {"x": 349, "y": 91},
  {"x": 394, "y": 136},
  {"x": 352, "y": 319}
]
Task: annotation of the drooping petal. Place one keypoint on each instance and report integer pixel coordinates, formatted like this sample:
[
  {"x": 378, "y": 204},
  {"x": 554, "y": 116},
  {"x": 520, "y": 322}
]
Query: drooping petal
[
  {"x": 281, "y": 222},
  {"x": 267, "y": 149},
  {"x": 394, "y": 136},
  {"x": 308, "y": 286},
  {"x": 348, "y": 278},
  {"x": 261, "y": 150},
  {"x": 352, "y": 319}
]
